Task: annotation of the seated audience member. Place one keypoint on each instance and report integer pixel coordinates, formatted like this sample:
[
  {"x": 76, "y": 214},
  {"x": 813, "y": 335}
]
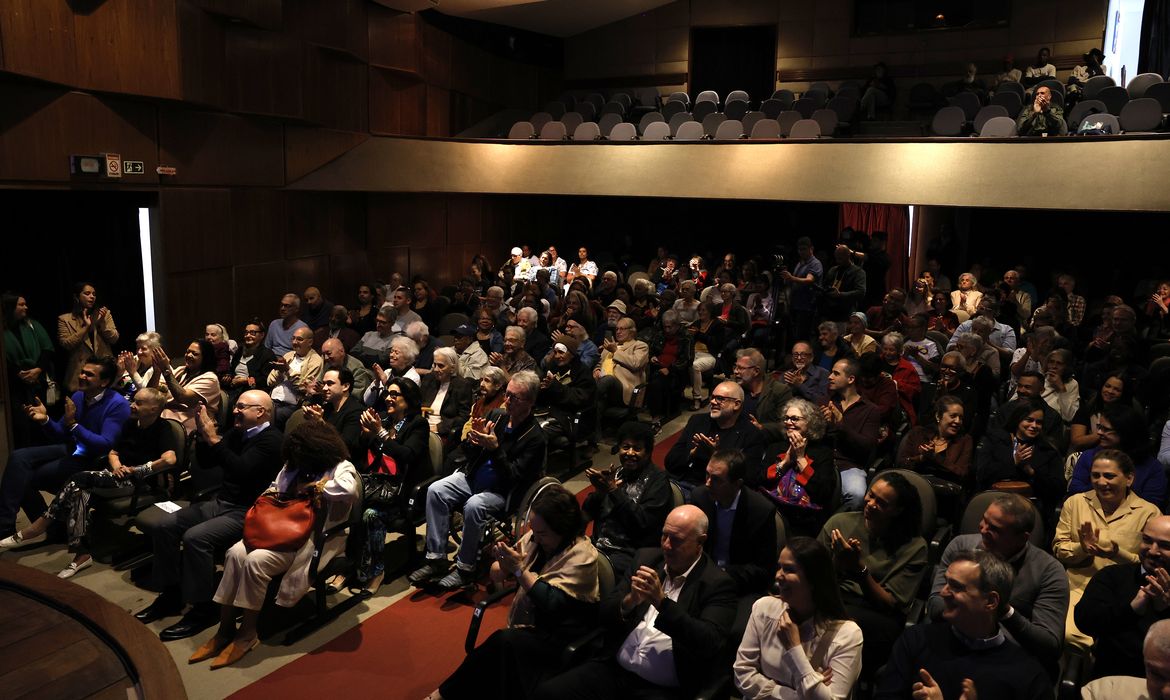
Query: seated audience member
[
  {"x": 802, "y": 282},
  {"x": 1156, "y": 683},
  {"x": 555, "y": 568},
  {"x": 400, "y": 363},
  {"x": 536, "y": 343},
  {"x": 566, "y": 388},
  {"x": 830, "y": 346},
  {"x": 340, "y": 409},
  {"x": 1002, "y": 337},
  {"x": 939, "y": 317},
  {"x": 505, "y": 454},
  {"x": 513, "y": 358},
  {"x": 622, "y": 367},
  {"x": 966, "y": 652},
  {"x": 92, "y": 421},
  {"x": 741, "y": 539},
  {"x": 1075, "y": 303},
  {"x": 1034, "y": 355},
  {"x": 808, "y": 381},
  {"x": 724, "y": 426},
  {"x": 446, "y": 398},
  {"x": 919, "y": 297},
  {"x": 338, "y": 328},
  {"x": 395, "y": 441},
  {"x": 919, "y": 350},
  {"x": 1020, "y": 454},
  {"x": 1039, "y": 71},
  {"x": 1061, "y": 390},
  {"x": 489, "y": 395},
  {"x": 902, "y": 371},
  {"x": 889, "y": 316},
  {"x": 187, "y": 541},
  {"x": 687, "y": 305},
  {"x": 1123, "y": 361},
  {"x": 145, "y": 444},
  {"x": 857, "y": 336},
  {"x": 880, "y": 558},
  {"x": 668, "y": 623},
  {"x": 250, "y": 364},
  {"x": 374, "y": 345},
  {"x": 1029, "y": 387},
  {"x": 879, "y": 92},
  {"x": 707, "y": 335},
  {"x": 1100, "y": 528},
  {"x": 188, "y": 386},
  {"x": 278, "y": 339},
  {"x": 1010, "y": 73},
  {"x": 316, "y": 467},
  {"x": 316, "y": 310},
  {"x": 421, "y": 335},
  {"x": 1017, "y": 297},
  {"x": 400, "y": 301},
  {"x": 763, "y": 397},
  {"x": 422, "y": 303},
  {"x": 967, "y": 297},
  {"x": 630, "y": 499},
  {"x": 800, "y": 642},
  {"x": 490, "y": 339},
  {"x": 943, "y": 450},
  {"x": 1123, "y": 428},
  {"x": 293, "y": 374},
  {"x": 671, "y": 354},
  {"x": 334, "y": 357},
  {"x": 1035, "y": 612},
  {"x": 130, "y": 364},
  {"x": 472, "y": 359},
  {"x": 1122, "y": 601},
  {"x": 1041, "y": 118},
  {"x": 876, "y": 387},
  {"x": 1083, "y": 433},
  {"x": 803, "y": 481},
  {"x": 362, "y": 318},
  {"x": 854, "y": 425},
  {"x": 586, "y": 349},
  {"x": 222, "y": 346}
]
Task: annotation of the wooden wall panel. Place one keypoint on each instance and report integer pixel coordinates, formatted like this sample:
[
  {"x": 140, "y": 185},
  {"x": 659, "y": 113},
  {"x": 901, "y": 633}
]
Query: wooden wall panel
[
  {"x": 259, "y": 225},
  {"x": 336, "y": 24},
  {"x": 397, "y": 105},
  {"x": 326, "y": 222},
  {"x": 193, "y": 300},
  {"x": 436, "y": 56},
  {"x": 201, "y": 52},
  {"x": 38, "y": 39},
  {"x": 263, "y": 72},
  {"x": 399, "y": 219},
  {"x": 307, "y": 272},
  {"x": 438, "y": 112},
  {"x": 307, "y": 148},
  {"x": 128, "y": 47},
  {"x": 221, "y": 149},
  {"x": 258, "y": 289},
  {"x": 384, "y": 261},
  {"x": 394, "y": 40},
  {"x": 346, "y": 273},
  {"x": 196, "y": 229},
  {"x": 464, "y": 219},
  {"x": 264, "y": 14},
  {"x": 40, "y": 127},
  {"x": 471, "y": 70},
  {"x": 431, "y": 262},
  {"x": 336, "y": 90}
]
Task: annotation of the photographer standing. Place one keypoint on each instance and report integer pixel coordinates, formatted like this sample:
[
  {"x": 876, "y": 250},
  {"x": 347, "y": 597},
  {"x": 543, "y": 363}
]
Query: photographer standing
[{"x": 804, "y": 283}]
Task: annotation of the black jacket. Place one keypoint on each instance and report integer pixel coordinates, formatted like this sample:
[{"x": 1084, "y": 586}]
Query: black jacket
[
  {"x": 994, "y": 461},
  {"x": 742, "y": 435},
  {"x": 410, "y": 449},
  {"x": 519, "y": 459},
  {"x": 698, "y": 624},
  {"x": 572, "y": 392},
  {"x": 628, "y": 523},
  {"x": 258, "y": 367},
  {"x": 347, "y": 421},
  {"x": 753, "y": 538},
  {"x": 248, "y": 466},
  {"x": 1117, "y": 631},
  {"x": 456, "y": 406}
]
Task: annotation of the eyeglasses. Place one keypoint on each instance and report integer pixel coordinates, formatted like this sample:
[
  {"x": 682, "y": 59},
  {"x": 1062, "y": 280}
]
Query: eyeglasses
[
  {"x": 802, "y": 354},
  {"x": 393, "y": 394},
  {"x": 243, "y": 406},
  {"x": 1104, "y": 430},
  {"x": 948, "y": 368},
  {"x": 793, "y": 419},
  {"x": 717, "y": 399},
  {"x": 513, "y": 396}
]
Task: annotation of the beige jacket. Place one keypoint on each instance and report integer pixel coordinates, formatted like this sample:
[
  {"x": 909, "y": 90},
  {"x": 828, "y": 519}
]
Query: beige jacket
[
  {"x": 310, "y": 370},
  {"x": 82, "y": 343},
  {"x": 633, "y": 356}
]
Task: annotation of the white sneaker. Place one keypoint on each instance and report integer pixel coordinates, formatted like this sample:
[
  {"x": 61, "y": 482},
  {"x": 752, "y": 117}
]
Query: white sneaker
[
  {"x": 71, "y": 570},
  {"x": 9, "y": 542}
]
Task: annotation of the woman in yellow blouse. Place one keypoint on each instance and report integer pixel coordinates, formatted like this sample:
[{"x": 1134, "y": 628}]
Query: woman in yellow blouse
[{"x": 1099, "y": 528}]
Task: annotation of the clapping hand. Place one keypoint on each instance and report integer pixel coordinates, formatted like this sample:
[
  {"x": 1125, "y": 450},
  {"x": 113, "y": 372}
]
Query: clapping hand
[
  {"x": 646, "y": 587},
  {"x": 70, "y": 417},
  {"x": 846, "y": 553},
  {"x": 701, "y": 441},
  {"x": 603, "y": 479},
  {"x": 1157, "y": 589},
  {"x": 380, "y": 374},
  {"x": 797, "y": 443},
  {"x": 371, "y": 422},
  {"x": 1157, "y": 299},
  {"x": 128, "y": 362},
  {"x": 793, "y": 378},
  {"x": 162, "y": 363},
  {"x": 609, "y": 345},
  {"x": 485, "y": 436},
  {"x": 1022, "y": 453},
  {"x": 1055, "y": 380},
  {"x": 1091, "y": 542},
  {"x": 496, "y": 358},
  {"x": 831, "y": 413},
  {"x": 313, "y": 412},
  {"x": 927, "y": 688},
  {"x": 510, "y": 559},
  {"x": 36, "y": 411}
]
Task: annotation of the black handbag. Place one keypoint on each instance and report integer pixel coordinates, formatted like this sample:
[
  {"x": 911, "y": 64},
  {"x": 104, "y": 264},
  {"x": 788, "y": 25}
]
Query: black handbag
[{"x": 380, "y": 490}]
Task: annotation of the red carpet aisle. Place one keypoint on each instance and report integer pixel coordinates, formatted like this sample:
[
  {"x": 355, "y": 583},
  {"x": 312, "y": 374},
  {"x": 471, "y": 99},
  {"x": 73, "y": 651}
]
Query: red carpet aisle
[{"x": 402, "y": 653}]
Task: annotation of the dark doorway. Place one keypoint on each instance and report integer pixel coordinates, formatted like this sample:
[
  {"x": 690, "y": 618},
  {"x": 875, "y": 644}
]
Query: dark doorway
[{"x": 734, "y": 58}]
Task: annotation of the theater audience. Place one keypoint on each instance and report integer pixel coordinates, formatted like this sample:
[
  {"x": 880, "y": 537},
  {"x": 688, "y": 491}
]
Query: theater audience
[
  {"x": 1020, "y": 459},
  {"x": 667, "y": 624},
  {"x": 250, "y": 364},
  {"x": 800, "y": 642},
  {"x": 622, "y": 367},
  {"x": 315, "y": 467},
  {"x": 630, "y": 499},
  {"x": 844, "y": 286},
  {"x": 1156, "y": 683},
  {"x": 671, "y": 356},
  {"x": 338, "y": 327},
  {"x": 505, "y": 454},
  {"x": 707, "y": 336},
  {"x": 807, "y": 380},
  {"x": 555, "y": 569},
  {"x": 446, "y": 398},
  {"x": 943, "y": 450},
  {"x": 280, "y": 332},
  {"x": 339, "y": 408},
  {"x": 1123, "y": 428},
  {"x": 966, "y": 652},
  {"x": 1122, "y": 601},
  {"x": 29, "y": 356},
  {"x": 1036, "y": 609},
  {"x": 293, "y": 374},
  {"x": 763, "y": 396},
  {"x": 513, "y": 358},
  {"x": 420, "y": 333},
  {"x": 880, "y": 558},
  {"x": 400, "y": 363},
  {"x": 854, "y": 425},
  {"x": 363, "y": 317},
  {"x": 89, "y": 427},
  {"x": 130, "y": 364},
  {"x": 188, "y": 386},
  {"x": 1030, "y": 387},
  {"x": 566, "y": 387},
  {"x": 375, "y": 344},
  {"x": 334, "y": 357},
  {"x": 724, "y": 426},
  {"x": 1099, "y": 528},
  {"x": 316, "y": 309}
]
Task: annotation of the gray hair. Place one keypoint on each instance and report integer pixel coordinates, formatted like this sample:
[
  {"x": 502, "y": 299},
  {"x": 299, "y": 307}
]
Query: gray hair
[
  {"x": 417, "y": 330},
  {"x": 829, "y": 326},
  {"x": 449, "y": 355},
  {"x": 406, "y": 346},
  {"x": 495, "y": 291},
  {"x": 296, "y": 300},
  {"x": 223, "y": 332},
  {"x": 896, "y": 339},
  {"x": 816, "y": 422},
  {"x": 495, "y": 375},
  {"x": 669, "y": 316},
  {"x": 972, "y": 339},
  {"x": 526, "y": 312},
  {"x": 517, "y": 331},
  {"x": 528, "y": 380},
  {"x": 995, "y": 576},
  {"x": 982, "y": 323},
  {"x": 1018, "y": 509},
  {"x": 150, "y": 339},
  {"x": 753, "y": 355}
]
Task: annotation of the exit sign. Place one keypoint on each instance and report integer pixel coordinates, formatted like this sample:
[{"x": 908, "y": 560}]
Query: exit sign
[{"x": 133, "y": 167}]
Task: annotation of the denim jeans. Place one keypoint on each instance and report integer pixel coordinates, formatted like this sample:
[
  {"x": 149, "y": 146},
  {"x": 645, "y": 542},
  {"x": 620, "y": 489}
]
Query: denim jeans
[{"x": 454, "y": 492}]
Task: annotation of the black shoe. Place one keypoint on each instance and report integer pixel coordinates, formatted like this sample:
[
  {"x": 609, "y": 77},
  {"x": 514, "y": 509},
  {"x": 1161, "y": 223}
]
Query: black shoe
[
  {"x": 197, "y": 619},
  {"x": 458, "y": 578},
  {"x": 432, "y": 569},
  {"x": 165, "y": 605}
]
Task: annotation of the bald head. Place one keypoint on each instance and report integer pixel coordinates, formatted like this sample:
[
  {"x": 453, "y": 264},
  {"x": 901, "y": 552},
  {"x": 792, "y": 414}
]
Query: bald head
[
  {"x": 730, "y": 388},
  {"x": 690, "y": 519},
  {"x": 253, "y": 408},
  {"x": 302, "y": 341},
  {"x": 1156, "y": 652},
  {"x": 333, "y": 352},
  {"x": 683, "y": 535}
]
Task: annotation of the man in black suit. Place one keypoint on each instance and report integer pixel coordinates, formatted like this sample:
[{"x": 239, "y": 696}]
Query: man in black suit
[
  {"x": 447, "y": 397},
  {"x": 341, "y": 409},
  {"x": 186, "y": 541},
  {"x": 725, "y": 426},
  {"x": 742, "y": 537},
  {"x": 251, "y": 363},
  {"x": 667, "y": 624}
]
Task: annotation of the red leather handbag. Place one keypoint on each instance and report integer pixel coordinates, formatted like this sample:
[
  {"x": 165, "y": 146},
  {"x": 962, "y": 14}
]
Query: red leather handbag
[{"x": 279, "y": 524}]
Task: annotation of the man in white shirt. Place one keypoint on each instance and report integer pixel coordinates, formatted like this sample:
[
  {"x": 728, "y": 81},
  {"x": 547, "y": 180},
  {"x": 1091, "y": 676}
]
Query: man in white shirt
[
  {"x": 671, "y": 621},
  {"x": 400, "y": 300},
  {"x": 472, "y": 359},
  {"x": 292, "y": 374},
  {"x": 1039, "y": 71}
]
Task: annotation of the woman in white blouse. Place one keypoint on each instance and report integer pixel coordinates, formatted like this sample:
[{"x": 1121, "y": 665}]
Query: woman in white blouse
[
  {"x": 967, "y": 296},
  {"x": 799, "y": 644}
]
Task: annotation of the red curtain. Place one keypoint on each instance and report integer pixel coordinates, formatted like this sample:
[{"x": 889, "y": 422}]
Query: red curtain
[{"x": 894, "y": 219}]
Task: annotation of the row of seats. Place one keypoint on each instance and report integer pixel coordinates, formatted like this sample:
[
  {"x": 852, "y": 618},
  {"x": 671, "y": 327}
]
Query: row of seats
[
  {"x": 715, "y": 126},
  {"x": 1141, "y": 115}
]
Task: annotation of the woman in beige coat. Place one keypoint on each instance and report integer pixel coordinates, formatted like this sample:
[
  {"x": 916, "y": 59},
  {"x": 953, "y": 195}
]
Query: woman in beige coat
[
  {"x": 85, "y": 332},
  {"x": 622, "y": 365}
]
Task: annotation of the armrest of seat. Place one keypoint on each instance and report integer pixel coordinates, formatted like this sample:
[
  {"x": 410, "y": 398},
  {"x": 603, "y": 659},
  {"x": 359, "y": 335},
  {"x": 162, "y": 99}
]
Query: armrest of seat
[
  {"x": 140, "y": 484},
  {"x": 574, "y": 650},
  {"x": 477, "y": 616},
  {"x": 938, "y": 542},
  {"x": 418, "y": 494},
  {"x": 1075, "y": 671},
  {"x": 916, "y": 613}
]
